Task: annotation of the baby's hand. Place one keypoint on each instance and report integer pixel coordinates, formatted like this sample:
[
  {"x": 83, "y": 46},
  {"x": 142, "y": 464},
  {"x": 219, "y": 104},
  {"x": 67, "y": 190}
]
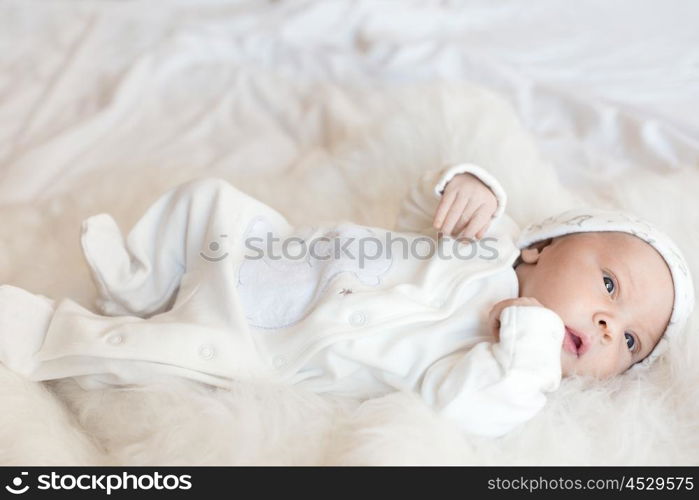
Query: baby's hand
[
  {"x": 466, "y": 208},
  {"x": 494, "y": 316}
]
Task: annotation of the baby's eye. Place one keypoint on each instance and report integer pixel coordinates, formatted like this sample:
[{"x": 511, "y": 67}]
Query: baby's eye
[
  {"x": 630, "y": 341},
  {"x": 609, "y": 284}
]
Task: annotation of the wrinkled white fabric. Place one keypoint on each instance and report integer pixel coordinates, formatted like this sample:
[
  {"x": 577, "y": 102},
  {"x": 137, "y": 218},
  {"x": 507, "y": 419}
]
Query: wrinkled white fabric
[{"x": 606, "y": 90}]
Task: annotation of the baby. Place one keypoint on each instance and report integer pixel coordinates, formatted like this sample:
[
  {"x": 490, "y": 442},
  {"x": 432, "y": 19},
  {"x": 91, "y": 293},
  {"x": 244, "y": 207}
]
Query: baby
[{"x": 459, "y": 305}]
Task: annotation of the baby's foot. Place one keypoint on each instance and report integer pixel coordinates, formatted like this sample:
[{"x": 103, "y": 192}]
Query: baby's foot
[{"x": 24, "y": 319}]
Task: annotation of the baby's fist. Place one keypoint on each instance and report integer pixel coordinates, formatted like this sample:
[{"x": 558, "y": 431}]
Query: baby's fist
[
  {"x": 466, "y": 208},
  {"x": 494, "y": 316}
]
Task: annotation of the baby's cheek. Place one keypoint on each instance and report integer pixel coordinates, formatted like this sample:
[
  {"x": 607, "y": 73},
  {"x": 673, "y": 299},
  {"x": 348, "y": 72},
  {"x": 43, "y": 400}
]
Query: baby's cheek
[{"x": 606, "y": 366}]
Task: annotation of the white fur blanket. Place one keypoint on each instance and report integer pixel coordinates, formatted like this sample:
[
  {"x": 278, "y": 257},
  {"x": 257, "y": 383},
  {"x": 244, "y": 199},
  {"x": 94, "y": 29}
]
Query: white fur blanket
[{"x": 220, "y": 96}]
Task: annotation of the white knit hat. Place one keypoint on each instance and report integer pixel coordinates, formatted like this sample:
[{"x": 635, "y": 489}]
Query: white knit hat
[{"x": 593, "y": 219}]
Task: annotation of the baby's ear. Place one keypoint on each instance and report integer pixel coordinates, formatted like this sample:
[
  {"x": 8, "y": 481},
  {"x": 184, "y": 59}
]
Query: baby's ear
[{"x": 530, "y": 255}]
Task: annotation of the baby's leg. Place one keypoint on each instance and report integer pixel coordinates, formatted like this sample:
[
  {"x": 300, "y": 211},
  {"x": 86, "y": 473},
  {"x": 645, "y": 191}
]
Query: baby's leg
[
  {"x": 44, "y": 340},
  {"x": 203, "y": 336},
  {"x": 142, "y": 275},
  {"x": 24, "y": 319}
]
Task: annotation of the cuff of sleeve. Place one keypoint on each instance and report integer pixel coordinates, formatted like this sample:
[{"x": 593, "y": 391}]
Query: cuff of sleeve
[
  {"x": 483, "y": 175},
  {"x": 531, "y": 339}
]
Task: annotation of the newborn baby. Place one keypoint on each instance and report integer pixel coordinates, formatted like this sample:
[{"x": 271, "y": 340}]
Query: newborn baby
[{"x": 459, "y": 305}]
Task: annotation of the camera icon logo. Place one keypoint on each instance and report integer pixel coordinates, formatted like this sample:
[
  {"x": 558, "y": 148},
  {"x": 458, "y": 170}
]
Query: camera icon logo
[
  {"x": 215, "y": 247},
  {"x": 16, "y": 488}
]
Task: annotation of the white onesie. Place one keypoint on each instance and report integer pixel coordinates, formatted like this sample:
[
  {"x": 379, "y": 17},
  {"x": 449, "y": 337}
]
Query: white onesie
[{"x": 199, "y": 289}]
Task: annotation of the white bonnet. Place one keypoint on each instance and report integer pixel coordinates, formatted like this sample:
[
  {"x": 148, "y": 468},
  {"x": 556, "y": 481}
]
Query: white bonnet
[{"x": 593, "y": 219}]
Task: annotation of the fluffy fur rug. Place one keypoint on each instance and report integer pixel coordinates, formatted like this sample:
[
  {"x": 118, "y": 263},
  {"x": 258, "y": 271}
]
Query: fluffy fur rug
[{"x": 355, "y": 156}]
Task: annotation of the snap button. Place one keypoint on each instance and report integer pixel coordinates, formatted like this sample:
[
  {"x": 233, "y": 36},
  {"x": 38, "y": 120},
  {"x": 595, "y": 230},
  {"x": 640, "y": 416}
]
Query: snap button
[
  {"x": 115, "y": 339},
  {"x": 357, "y": 318},
  {"x": 279, "y": 361},
  {"x": 206, "y": 352}
]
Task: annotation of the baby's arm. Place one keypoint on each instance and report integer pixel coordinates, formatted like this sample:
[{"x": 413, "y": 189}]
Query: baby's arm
[
  {"x": 441, "y": 201},
  {"x": 493, "y": 387}
]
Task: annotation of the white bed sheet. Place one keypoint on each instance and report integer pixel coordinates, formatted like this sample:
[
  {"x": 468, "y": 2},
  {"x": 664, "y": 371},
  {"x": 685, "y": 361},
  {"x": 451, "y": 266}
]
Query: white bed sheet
[{"x": 604, "y": 86}]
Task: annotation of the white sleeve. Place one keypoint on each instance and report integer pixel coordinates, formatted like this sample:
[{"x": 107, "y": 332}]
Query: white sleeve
[
  {"x": 493, "y": 387},
  {"x": 419, "y": 207}
]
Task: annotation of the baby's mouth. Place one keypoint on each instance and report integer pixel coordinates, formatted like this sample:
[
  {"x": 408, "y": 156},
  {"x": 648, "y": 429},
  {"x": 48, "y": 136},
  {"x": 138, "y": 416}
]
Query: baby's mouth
[{"x": 575, "y": 342}]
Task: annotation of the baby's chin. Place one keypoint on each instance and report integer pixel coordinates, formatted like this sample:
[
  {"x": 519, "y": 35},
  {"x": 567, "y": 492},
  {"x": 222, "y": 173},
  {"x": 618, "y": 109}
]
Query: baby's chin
[
  {"x": 570, "y": 366},
  {"x": 567, "y": 364}
]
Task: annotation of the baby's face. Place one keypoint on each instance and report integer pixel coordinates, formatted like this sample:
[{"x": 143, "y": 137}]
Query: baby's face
[{"x": 613, "y": 290}]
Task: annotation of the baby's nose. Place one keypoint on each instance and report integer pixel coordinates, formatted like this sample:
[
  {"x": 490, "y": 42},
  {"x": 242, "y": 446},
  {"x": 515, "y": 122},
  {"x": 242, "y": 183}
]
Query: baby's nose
[{"x": 606, "y": 328}]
